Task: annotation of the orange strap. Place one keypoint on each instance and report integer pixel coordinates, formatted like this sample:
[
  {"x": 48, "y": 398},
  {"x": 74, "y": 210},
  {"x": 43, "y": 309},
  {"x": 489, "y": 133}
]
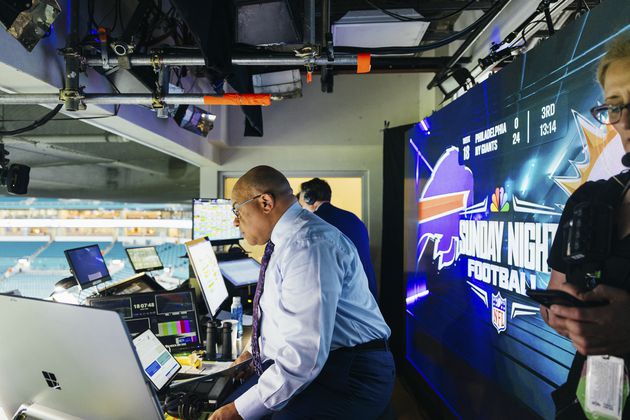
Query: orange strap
[
  {"x": 263, "y": 99},
  {"x": 309, "y": 77},
  {"x": 363, "y": 63},
  {"x": 102, "y": 34}
]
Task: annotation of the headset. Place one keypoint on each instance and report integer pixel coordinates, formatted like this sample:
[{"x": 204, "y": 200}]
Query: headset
[
  {"x": 315, "y": 190},
  {"x": 184, "y": 405},
  {"x": 309, "y": 196}
]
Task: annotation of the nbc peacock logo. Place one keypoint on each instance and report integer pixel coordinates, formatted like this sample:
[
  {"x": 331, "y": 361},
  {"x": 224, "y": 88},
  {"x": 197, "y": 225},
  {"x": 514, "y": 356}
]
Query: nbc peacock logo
[{"x": 499, "y": 201}]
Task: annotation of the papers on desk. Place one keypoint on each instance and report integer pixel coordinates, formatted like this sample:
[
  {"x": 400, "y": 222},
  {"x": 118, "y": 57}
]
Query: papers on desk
[
  {"x": 206, "y": 368},
  {"x": 216, "y": 372}
]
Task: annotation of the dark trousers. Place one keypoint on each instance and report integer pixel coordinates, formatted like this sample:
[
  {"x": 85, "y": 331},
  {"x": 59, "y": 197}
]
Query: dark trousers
[{"x": 353, "y": 384}]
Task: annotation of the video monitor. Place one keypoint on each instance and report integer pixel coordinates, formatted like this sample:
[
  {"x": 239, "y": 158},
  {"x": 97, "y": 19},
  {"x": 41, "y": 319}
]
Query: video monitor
[
  {"x": 144, "y": 258},
  {"x": 158, "y": 364},
  {"x": 208, "y": 274},
  {"x": 171, "y": 316},
  {"x": 87, "y": 265},
  {"x": 213, "y": 218},
  {"x": 241, "y": 272}
]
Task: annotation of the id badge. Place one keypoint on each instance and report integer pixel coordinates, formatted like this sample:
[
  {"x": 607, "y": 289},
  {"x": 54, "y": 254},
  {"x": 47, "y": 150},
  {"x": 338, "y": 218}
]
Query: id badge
[{"x": 603, "y": 387}]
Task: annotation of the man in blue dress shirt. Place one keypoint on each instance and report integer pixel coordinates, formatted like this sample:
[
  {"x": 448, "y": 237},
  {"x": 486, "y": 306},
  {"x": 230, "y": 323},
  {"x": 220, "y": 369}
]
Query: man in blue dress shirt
[
  {"x": 319, "y": 341},
  {"x": 315, "y": 197}
]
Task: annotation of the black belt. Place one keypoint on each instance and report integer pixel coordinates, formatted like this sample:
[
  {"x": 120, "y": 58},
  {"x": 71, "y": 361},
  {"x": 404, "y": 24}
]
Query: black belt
[{"x": 374, "y": 345}]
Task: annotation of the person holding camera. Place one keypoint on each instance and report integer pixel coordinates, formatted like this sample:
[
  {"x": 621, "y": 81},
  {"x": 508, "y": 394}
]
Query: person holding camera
[{"x": 603, "y": 329}]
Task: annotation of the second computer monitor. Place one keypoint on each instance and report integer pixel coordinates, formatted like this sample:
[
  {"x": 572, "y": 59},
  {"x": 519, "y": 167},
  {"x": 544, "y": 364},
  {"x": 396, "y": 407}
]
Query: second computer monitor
[
  {"x": 87, "y": 265},
  {"x": 213, "y": 218},
  {"x": 144, "y": 258},
  {"x": 208, "y": 273}
]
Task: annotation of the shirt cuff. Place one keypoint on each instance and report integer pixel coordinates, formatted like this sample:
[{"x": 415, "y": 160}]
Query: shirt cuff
[{"x": 249, "y": 405}]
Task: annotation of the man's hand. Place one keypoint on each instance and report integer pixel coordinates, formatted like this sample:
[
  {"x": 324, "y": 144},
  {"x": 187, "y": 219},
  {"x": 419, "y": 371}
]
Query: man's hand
[
  {"x": 247, "y": 372},
  {"x": 227, "y": 412},
  {"x": 598, "y": 330}
]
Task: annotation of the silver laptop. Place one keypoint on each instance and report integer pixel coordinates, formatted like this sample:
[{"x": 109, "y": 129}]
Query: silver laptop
[{"x": 66, "y": 361}]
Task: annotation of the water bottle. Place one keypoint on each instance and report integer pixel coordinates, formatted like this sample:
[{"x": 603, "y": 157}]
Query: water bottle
[{"x": 237, "y": 313}]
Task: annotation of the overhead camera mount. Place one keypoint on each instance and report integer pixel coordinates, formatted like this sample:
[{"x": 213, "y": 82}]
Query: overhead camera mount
[{"x": 14, "y": 176}]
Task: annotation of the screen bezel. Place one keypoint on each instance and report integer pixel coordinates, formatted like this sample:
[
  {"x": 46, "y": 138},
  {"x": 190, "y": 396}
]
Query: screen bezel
[
  {"x": 91, "y": 283},
  {"x": 226, "y": 241},
  {"x": 144, "y": 270}
]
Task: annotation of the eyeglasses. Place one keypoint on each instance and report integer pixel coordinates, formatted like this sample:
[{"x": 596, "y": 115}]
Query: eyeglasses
[
  {"x": 237, "y": 206},
  {"x": 609, "y": 114}
]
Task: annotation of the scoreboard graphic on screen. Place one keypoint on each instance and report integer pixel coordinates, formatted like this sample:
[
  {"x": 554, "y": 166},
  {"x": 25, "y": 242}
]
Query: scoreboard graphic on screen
[{"x": 490, "y": 175}]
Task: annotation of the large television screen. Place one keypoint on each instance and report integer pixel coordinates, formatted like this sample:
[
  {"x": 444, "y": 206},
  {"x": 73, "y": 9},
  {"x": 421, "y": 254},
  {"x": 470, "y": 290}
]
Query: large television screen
[{"x": 487, "y": 180}]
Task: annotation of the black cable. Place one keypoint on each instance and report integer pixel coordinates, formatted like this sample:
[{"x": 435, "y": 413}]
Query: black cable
[
  {"x": 425, "y": 47},
  {"x": 420, "y": 19},
  {"x": 35, "y": 124}
]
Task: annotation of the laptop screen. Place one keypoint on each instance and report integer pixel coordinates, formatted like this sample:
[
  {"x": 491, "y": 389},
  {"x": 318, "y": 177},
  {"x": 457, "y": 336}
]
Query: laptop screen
[{"x": 158, "y": 364}]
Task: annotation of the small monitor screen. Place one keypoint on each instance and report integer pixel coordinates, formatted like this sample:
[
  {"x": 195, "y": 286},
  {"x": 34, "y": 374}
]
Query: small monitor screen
[
  {"x": 171, "y": 316},
  {"x": 158, "y": 364},
  {"x": 240, "y": 272},
  {"x": 213, "y": 218},
  {"x": 87, "y": 265},
  {"x": 144, "y": 259},
  {"x": 208, "y": 274}
]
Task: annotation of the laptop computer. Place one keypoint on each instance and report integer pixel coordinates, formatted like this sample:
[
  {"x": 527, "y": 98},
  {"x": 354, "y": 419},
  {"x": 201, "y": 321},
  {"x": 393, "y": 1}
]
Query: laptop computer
[{"x": 69, "y": 361}]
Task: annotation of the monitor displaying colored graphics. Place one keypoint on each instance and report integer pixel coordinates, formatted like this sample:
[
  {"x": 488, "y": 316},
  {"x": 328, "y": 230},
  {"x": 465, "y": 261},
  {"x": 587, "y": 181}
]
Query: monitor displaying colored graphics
[
  {"x": 144, "y": 258},
  {"x": 158, "y": 364},
  {"x": 213, "y": 218},
  {"x": 487, "y": 178},
  {"x": 171, "y": 316},
  {"x": 207, "y": 272},
  {"x": 87, "y": 265}
]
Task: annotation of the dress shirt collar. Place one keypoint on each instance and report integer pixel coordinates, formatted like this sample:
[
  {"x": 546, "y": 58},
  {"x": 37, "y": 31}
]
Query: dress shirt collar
[{"x": 285, "y": 226}]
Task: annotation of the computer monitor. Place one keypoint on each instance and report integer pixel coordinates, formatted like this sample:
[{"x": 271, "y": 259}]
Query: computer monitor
[
  {"x": 213, "y": 218},
  {"x": 241, "y": 272},
  {"x": 206, "y": 268},
  {"x": 69, "y": 360},
  {"x": 144, "y": 258},
  {"x": 158, "y": 364},
  {"x": 172, "y": 316},
  {"x": 87, "y": 265}
]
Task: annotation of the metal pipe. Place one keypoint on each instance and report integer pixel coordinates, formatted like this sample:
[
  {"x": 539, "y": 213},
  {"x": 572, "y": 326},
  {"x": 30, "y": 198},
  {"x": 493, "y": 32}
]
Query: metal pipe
[
  {"x": 110, "y": 99},
  {"x": 349, "y": 60},
  {"x": 325, "y": 22},
  {"x": 145, "y": 60},
  {"x": 309, "y": 22},
  {"x": 71, "y": 80}
]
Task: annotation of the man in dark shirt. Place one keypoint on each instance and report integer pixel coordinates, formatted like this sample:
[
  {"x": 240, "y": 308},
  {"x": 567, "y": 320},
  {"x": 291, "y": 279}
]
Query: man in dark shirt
[{"x": 315, "y": 196}]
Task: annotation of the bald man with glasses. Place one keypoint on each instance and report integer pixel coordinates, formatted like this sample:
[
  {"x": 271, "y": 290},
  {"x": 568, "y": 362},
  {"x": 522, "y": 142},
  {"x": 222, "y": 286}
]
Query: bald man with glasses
[{"x": 319, "y": 342}]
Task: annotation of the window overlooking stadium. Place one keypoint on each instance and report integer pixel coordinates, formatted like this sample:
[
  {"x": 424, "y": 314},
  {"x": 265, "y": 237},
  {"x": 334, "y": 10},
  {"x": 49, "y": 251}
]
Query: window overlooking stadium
[{"x": 34, "y": 233}]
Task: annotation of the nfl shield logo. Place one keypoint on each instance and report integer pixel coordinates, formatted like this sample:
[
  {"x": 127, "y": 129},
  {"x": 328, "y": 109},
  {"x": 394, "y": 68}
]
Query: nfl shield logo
[{"x": 499, "y": 319}]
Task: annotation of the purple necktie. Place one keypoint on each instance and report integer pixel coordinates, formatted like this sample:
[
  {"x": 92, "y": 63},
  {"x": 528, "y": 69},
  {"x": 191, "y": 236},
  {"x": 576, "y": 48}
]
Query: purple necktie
[{"x": 256, "y": 310}]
